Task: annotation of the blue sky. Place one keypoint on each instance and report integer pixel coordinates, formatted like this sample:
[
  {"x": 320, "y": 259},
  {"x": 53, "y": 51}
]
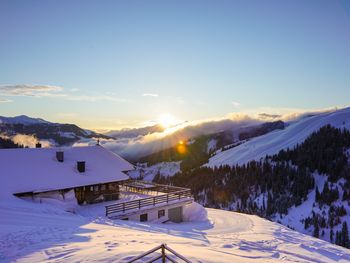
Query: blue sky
[{"x": 112, "y": 64}]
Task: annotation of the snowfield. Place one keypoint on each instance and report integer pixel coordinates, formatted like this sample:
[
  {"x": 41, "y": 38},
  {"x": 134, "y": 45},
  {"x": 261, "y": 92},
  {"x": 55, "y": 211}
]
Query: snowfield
[
  {"x": 32, "y": 232},
  {"x": 148, "y": 173},
  {"x": 273, "y": 142}
]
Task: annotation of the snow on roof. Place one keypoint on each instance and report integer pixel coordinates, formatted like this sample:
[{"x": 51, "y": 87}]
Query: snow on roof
[{"x": 37, "y": 169}]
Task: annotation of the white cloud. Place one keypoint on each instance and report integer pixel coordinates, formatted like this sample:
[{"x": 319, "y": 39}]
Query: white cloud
[
  {"x": 236, "y": 104},
  {"x": 5, "y": 100},
  {"x": 150, "y": 95},
  {"x": 30, "y": 141},
  {"x": 93, "y": 98},
  {"x": 31, "y": 91},
  {"x": 40, "y": 91}
]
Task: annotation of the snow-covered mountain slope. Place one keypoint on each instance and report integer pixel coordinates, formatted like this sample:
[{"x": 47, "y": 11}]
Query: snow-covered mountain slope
[
  {"x": 27, "y": 131},
  {"x": 271, "y": 143},
  {"x": 31, "y": 232},
  {"x": 22, "y": 119},
  {"x": 147, "y": 173}
]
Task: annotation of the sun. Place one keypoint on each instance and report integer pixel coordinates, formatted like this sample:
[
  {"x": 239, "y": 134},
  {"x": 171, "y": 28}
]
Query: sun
[{"x": 167, "y": 120}]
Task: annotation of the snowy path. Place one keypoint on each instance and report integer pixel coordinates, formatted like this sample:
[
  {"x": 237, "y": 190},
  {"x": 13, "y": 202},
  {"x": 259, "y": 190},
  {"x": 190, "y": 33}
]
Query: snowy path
[{"x": 48, "y": 235}]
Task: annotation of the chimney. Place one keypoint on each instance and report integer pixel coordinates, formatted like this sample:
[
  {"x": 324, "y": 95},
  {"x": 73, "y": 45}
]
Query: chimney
[
  {"x": 38, "y": 145},
  {"x": 81, "y": 166},
  {"x": 60, "y": 156}
]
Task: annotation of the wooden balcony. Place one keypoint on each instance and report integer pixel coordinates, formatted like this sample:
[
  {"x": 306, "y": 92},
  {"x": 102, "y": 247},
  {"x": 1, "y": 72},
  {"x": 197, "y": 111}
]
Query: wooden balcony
[{"x": 165, "y": 195}]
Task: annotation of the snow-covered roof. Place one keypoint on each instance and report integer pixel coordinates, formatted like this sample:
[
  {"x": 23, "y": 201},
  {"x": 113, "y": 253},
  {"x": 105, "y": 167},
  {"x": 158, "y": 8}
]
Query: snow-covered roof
[{"x": 37, "y": 169}]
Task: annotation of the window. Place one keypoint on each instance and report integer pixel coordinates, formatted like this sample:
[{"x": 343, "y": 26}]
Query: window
[
  {"x": 103, "y": 187},
  {"x": 113, "y": 187},
  {"x": 91, "y": 188},
  {"x": 143, "y": 217},
  {"x": 96, "y": 188},
  {"x": 161, "y": 213}
]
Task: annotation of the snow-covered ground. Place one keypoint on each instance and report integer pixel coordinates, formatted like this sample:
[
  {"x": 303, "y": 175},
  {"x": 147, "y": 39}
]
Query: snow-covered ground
[
  {"x": 32, "y": 232},
  {"x": 271, "y": 143},
  {"x": 147, "y": 173}
]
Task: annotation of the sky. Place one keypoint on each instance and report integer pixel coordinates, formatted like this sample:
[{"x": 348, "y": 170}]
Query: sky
[{"x": 114, "y": 64}]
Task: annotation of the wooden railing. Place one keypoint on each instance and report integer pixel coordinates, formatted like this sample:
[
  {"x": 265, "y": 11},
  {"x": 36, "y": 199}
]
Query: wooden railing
[
  {"x": 149, "y": 201},
  {"x": 163, "y": 255}
]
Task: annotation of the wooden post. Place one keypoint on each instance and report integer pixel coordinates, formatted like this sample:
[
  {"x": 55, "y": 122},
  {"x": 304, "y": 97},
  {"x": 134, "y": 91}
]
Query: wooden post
[
  {"x": 123, "y": 207},
  {"x": 163, "y": 254},
  {"x": 139, "y": 203},
  {"x": 154, "y": 201}
]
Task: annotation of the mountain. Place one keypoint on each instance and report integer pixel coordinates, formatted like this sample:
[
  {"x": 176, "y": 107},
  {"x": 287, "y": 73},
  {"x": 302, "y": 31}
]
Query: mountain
[
  {"x": 23, "y": 129},
  {"x": 295, "y": 132},
  {"x": 298, "y": 176},
  {"x": 22, "y": 119}
]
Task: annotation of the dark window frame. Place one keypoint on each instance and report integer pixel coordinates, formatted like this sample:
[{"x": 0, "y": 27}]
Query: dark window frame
[
  {"x": 161, "y": 213},
  {"x": 144, "y": 217}
]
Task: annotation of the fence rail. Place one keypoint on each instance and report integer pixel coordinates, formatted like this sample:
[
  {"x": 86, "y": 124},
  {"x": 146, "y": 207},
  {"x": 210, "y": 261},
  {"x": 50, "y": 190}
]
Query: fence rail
[
  {"x": 149, "y": 201},
  {"x": 164, "y": 256}
]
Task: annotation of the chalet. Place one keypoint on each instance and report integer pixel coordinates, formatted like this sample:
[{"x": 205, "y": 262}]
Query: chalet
[{"x": 95, "y": 174}]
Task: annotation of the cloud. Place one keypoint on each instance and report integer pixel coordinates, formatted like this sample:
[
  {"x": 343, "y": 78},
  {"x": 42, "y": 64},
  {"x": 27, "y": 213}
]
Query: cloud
[
  {"x": 30, "y": 141},
  {"x": 133, "y": 148},
  {"x": 236, "y": 104},
  {"x": 5, "y": 100},
  {"x": 31, "y": 91},
  {"x": 139, "y": 146},
  {"x": 150, "y": 95},
  {"x": 269, "y": 116},
  {"x": 93, "y": 98},
  {"x": 40, "y": 91}
]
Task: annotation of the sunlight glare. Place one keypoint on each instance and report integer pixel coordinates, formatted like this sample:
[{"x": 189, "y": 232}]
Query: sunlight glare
[{"x": 167, "y": 120}]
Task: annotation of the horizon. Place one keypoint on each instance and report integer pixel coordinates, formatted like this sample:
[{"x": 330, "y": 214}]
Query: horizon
[{"x": 130, "y": 64}]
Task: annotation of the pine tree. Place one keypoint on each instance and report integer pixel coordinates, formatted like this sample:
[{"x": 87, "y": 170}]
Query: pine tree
[
  {"x": 337, "y": 238},
  {"x": 316, "y": 229},
  {"x": 317, "y": 196},
  {"x": 331, "y": 235},
  {"x": 345, "y": 242}
]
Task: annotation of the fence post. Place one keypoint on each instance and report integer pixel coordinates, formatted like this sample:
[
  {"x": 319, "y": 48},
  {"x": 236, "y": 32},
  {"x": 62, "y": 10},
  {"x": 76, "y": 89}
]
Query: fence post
[
  {"x": 163, "y": 254},
  {"x": 167, "y": 198},
  {"x": 154, "y": 201},
  {"x": 123, "y": 207},
  {"x": 139, "y": 203}
]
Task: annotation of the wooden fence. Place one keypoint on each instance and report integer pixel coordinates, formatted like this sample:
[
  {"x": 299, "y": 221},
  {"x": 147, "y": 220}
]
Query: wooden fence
[
  {"x": 163, "y": 256},
  {"x": 147, "y": 202}
]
